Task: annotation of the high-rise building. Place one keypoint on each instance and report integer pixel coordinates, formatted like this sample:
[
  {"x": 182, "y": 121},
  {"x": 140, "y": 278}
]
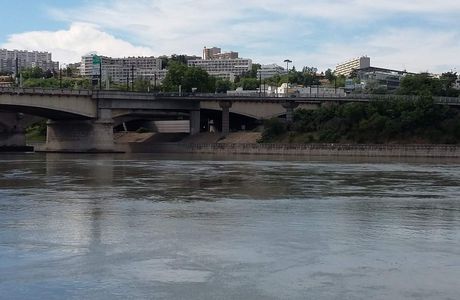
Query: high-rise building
[
  {"x": 215, "y": 53},
  {"x": 354, "y": 64},
  {"x": 123, "y": 70},
  {"x": 222, "y": 65},
  {"x": 209, "y": 53},
  {"x": 12, "y": 61},
  {"x": 223, "y": 68},
  {"x": 267, "y": 71}
]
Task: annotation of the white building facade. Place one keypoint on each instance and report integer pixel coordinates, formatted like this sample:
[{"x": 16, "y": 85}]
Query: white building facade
[
  {"x": 124, "y": 70},
  {"x": 223, "y": 68},
  {"x": 267, "y": 71},
  {"x": 12, "y": 60},
  {"x": 346, "y": 68}
]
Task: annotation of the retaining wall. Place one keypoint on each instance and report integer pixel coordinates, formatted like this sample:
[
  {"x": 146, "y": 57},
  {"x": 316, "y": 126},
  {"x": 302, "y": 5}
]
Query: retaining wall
[{"x": 300, "y": 149}]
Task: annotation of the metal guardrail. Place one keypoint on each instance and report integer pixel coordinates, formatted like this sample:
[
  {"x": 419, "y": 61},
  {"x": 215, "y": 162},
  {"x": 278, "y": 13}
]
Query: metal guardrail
[
  {"x": 247, "y": 97},
  {"x": 43, "y": 91}
]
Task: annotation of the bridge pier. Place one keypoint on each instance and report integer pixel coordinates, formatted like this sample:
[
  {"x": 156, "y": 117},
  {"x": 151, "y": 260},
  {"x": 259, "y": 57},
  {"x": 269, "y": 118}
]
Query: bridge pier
[
  {"x": 12, "y": 132},
  {"x": 80, "y": 136},
  {"x": 194, "y": 122},
  {"x": 225, "y": 105},
  {"x": 290, "y": 106}
]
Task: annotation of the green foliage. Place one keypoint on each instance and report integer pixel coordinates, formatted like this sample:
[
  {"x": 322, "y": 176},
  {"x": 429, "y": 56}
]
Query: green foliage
[
  {"x": 248, "y": 83},
  {"x": 141, "y": 85},
  {"x": 55, "y": 83},
  {"x": 222, "y": 86},
  {"x": 425, "y": 85},
  {"x": 329, "y": 75},
  {"x": 188, "y": 78},
  {"x": 35, "y": 73},
  {"x": 272, "y": 128},
  {"x": 306, "y": 77},
  {"x": 36, "y": 131},
  {"x": 398, "y": 121}
]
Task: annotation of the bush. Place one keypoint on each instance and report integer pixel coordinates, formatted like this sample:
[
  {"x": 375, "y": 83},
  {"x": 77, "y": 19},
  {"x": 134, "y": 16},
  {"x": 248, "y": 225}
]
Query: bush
[{"x": 273, "y": 128}]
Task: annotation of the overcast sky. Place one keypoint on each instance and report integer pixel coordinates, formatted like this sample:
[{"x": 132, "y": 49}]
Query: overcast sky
[{"x": 416, "y": 35}]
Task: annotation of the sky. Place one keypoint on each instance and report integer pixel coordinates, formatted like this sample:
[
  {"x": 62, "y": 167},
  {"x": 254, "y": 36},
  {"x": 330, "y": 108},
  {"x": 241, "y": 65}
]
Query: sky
[{"x": 412, "y": 35}]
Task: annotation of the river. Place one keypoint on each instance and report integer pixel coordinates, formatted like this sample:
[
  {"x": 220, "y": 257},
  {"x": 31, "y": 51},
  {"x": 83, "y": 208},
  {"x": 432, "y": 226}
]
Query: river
[{"x": 205, "y": 227}]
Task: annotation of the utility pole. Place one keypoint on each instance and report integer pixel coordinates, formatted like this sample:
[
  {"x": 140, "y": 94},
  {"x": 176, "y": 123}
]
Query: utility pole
[
  {"x": 100, "y": 74},
  {"x": 287, "y": 61},
  {"x": 127, "y": 80},
  {"x": 260, "y": 81},
  {"x": 17, "y": 69},
  {"x": 132, "y": 78}
]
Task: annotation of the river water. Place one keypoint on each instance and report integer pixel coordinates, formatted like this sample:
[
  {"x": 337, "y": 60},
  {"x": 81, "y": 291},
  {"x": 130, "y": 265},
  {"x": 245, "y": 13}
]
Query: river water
[{"x": 164, "y": 227}]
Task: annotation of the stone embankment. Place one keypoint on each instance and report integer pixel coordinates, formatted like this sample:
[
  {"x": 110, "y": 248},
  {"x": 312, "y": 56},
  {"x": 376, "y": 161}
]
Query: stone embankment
[{"x": 245, "y": 143}]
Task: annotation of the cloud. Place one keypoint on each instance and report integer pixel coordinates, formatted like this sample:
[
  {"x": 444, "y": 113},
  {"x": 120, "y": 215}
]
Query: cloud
[
  {"x": 69, "y": 45},
  {"x": 417, "y": 35}
]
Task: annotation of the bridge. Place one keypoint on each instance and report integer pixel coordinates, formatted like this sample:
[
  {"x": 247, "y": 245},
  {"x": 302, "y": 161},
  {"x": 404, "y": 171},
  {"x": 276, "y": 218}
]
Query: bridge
[{"x": 83, "y": 120}]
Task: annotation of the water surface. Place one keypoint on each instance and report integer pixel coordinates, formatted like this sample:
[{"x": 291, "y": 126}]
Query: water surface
[{"x": 163, "y": 227}]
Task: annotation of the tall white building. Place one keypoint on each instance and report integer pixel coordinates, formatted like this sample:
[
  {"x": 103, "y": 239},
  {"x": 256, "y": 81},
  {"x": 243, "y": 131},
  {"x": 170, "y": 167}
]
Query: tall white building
[
  {"x": 25, "y": 59},
  {"x": 123, "y": 70},
  {"x": 267, "y": 71},
  {"x": 355, "y": 64},
  {"x": 223, "y": 68}
]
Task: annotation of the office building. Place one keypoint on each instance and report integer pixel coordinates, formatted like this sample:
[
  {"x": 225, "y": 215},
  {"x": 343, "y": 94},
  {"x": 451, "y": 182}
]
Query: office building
[
  {"x": 346, "y": 68},
  {"x": 267, "y": 71},
  {"x": 215, "y": 53},
  {"x": 222, "y": 65},
  {"x": 223, "y": 68},
  {"x": 123, "y": 70},
  {"x": 17, "y": 60}
]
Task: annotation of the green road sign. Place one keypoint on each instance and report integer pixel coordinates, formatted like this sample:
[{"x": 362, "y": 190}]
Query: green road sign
[{"x": 96, "y": 60}]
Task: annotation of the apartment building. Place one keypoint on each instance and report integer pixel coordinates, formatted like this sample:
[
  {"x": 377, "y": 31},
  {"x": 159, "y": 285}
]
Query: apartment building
[
  {"x": 222, "y": 65},
  {"x": 346, "y": 68},
  {"x": 123, "y": 70},
  {"x": 12, "y": 60},
  {"x": 215, "y": 53},
  {"x": 223, "y": 68},
  {"x": 267, "y": 71}
]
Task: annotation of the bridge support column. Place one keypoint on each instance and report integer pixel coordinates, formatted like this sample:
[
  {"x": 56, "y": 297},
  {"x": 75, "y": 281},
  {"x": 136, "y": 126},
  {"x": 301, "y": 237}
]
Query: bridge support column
[
  {"x": 12, "y": 132},
  {"x": 80, "y": 136},
  {"x": 194, "y": 122},
  {"x": 290, "y": 106},
  {"x": 225, "y": 105}
]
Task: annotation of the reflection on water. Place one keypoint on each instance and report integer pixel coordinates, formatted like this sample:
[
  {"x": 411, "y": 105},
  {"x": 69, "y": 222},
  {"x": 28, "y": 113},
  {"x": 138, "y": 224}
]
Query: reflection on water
[{"x": 207, "y": 227}]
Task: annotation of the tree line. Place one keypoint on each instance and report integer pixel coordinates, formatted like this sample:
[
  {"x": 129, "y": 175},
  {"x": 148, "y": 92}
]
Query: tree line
[{"x": 392, "y": 121}]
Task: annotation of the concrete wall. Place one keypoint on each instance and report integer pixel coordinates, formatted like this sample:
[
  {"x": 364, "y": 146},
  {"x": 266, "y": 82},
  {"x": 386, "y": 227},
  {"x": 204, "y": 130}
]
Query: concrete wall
[
  {"x": 302, "y": 149},
  {"x": 79, "y": 136}
]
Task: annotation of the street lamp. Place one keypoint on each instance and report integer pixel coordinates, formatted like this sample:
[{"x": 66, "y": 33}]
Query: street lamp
[
  {"x": 60, "y": 74},
  {"x": 260, "y": 80},
  {"x": 287, "y": 61}
]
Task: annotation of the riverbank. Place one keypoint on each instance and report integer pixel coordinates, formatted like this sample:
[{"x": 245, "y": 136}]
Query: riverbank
[
  {"x": 245, "y": 144},
  {"x": 363, "y": 150}
]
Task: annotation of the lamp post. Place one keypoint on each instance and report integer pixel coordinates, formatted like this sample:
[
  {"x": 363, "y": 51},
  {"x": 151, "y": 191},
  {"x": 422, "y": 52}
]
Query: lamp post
[
  {"x": 287, "y": 61},
  {"x": 260, "y": 80}
]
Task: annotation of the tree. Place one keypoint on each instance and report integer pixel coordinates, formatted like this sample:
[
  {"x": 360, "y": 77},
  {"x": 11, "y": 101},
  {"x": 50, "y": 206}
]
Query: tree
[
  {"x": 174, "y": 77},
  {"x": 422, "y": 84},
  {"x": 223, "y": 85},
  {"x": 330, "y": 75},
  {"x": 188, "y": 78},
  {"x": 35, "y": 72},
  {"x": 248, "y": 83}
]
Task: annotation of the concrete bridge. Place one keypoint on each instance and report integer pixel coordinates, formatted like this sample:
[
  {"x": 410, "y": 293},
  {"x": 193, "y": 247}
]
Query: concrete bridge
[{"x": 83, "y": 120}]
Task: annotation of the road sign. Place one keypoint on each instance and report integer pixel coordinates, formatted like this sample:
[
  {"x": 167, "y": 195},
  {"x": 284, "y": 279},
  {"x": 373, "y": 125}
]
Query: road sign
[{"x": 96, "y": 60}]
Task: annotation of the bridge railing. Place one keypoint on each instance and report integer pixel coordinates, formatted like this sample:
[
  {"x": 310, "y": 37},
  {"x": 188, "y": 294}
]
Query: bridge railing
[
  {"x": 339, "y": 97},
  {"x": 45, "y": 91}
]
